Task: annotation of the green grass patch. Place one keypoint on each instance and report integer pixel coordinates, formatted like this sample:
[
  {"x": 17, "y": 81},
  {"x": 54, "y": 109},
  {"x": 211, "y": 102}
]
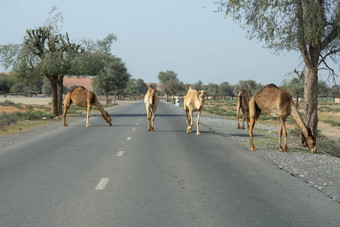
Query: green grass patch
[
  {"x": 333, "y": 123},
  {"x": 7, "y": 119}
]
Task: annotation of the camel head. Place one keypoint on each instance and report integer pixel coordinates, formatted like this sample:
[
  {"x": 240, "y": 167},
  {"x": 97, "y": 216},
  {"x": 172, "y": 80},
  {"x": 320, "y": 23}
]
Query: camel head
[
  {"x": 241, "y": 92},
  {"x": 153, "y": 93},
  {"x": 311, "y": 142},
  {"x": 107, "y": 118},
  {"x": 202, "y": 94}
]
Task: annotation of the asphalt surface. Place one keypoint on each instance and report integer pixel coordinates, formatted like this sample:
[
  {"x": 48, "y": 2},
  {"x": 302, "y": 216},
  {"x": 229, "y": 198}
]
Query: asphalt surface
[{"x": 124, "y": 175}]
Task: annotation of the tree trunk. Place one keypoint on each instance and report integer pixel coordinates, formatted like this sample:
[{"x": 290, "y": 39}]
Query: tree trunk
[
  {"x": 297, "y": 101},
  {"x": 60, "y": 94},
  {"x": 106, "y": 97},
  {"x": 310, "y": 101},
  {"x": 54, "y": 88}
]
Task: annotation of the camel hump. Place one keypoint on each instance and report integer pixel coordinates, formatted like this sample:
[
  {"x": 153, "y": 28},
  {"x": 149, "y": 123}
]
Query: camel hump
[
  {"x": 78, "y": 87},
  {"x": 272, "y": 85}
]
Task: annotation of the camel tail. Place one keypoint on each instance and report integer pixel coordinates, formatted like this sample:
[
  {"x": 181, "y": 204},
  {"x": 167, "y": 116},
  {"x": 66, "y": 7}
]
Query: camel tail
[{"x": 307, "y": 133}]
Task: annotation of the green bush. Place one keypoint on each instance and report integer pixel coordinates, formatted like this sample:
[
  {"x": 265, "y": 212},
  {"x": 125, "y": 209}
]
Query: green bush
[{"x": 11, "y": 118}]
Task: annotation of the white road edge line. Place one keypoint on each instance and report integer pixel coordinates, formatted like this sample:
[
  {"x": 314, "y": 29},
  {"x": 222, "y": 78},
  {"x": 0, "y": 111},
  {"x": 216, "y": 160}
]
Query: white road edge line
[
  {"x": 102, "y": 184},
  {"x": 129, "y": 138},
  {"x": 120, "y": 153}
]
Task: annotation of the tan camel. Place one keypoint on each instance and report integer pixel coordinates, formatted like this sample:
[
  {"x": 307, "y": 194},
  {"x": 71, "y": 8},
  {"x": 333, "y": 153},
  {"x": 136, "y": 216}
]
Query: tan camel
[
  {"x": 84, "y": 98},
  {"x": 193, "y": 101},
  {"x": 243, "y": 105},
  {"x": 277, "y": 103},
  {"x": 151, "y": 101}
]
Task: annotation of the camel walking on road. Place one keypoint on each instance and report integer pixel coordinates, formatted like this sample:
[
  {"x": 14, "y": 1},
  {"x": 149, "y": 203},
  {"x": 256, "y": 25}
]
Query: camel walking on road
[
  {"x": 193, "y": 101},
  {"x": 151, "y": 101}
]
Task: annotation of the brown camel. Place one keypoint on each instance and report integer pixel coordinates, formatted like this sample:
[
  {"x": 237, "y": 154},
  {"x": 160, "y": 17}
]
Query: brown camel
[
  {"x": 243, "y": 105},
  {"x": 84, "y": 98},
  {"x": 193, "y": 101},
  {"x": 151, "y": 101},
  {"x": 277, "y": 103}
]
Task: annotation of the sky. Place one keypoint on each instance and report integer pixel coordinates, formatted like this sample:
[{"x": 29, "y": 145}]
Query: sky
[{"x": 185, "y": 36}]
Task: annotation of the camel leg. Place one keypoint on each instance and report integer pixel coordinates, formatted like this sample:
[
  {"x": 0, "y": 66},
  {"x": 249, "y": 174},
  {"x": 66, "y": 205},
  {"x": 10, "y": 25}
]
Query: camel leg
[
  {"x": 198, "y": 122},
  {"x": 248, "y": 119},
  {"x": 253, "y": 116},
  {"x": 187, "y": 118},
  {"x": 280, "y": 135},
  {"x": 251, "y": 127},
  {"x": 88, "y": 114},
  {"x": 283, "y": 128},
  {"x": 153, "y": 120},
  {"x": 67, "y": 105},
  {"x": 149, "y": 118},
  {"x": 243, "y": 116},
  {"x": 190, "y": 124},
  {"x": 237, "y": 116}
]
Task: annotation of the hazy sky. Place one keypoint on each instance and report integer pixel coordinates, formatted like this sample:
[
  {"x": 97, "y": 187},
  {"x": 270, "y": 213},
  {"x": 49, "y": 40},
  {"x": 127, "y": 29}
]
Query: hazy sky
[{"x": 185, "y": 36}]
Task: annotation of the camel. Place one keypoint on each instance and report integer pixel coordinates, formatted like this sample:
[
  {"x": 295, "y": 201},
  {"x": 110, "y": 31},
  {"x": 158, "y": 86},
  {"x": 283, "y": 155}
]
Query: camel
[
  {"x": 84, "y": 98},
  {"x": 277, "y": 103},
  {"x": 151, "y": 101},
  {"x": 193, "y": 101},
  {"x": 243, "y": 105}
]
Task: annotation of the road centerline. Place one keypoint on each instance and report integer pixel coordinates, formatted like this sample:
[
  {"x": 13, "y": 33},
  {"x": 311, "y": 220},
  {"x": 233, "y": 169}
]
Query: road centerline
[
  {"x": 102, "y": 184},
  {"x": 120, "y": 153}
]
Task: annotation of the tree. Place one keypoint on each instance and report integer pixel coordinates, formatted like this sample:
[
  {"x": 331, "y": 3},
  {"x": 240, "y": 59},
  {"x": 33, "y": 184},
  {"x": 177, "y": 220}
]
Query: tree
[
  {"x": 295, "y": 85},
  {"x": 323, "y": 89},
  {"x": 170, "y": 82},
  {"x": 113, "y": 77},
  {"x": 226, "y": 89},
  {"x": 335, "y": 91},
  {"x": 250, "y": 85},
  {"x": 311, "y": 27},
  {"x": 213, "y": 90},
  {"x": 45, "y": 52},
  {"x": 5, "y": 85}
]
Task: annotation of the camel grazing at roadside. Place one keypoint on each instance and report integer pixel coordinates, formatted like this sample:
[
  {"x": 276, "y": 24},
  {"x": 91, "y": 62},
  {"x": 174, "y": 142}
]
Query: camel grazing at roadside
[
  {"x": 84, "y": 98},
  {"x": 151, "y": 101},
  {"x": 193, "y": 101},
  {"x": 243, "y": 105},
  {"x": 277, "y": 103}
]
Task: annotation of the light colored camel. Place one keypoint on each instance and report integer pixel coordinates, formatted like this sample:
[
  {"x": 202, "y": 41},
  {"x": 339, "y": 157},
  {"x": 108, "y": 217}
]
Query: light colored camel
[
  {"x": 151, "y": 101},
  {"x": 277, "y": 103},
  {"x": 79, "y": 96},
  {"x": 193, "y": 101},
  {"x": 243, "y": 105}
]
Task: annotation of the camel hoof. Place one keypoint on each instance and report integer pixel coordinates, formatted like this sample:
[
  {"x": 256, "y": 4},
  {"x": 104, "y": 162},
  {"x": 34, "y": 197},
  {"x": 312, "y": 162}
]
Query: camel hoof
[
  {"x": 253, "y": 149},
  {"x": 198, "y": 134}
]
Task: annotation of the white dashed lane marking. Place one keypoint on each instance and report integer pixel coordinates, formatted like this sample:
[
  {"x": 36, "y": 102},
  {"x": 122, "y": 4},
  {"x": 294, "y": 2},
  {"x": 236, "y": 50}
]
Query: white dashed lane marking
[
  {"x": 102, "y": 184},
  {"x": 134, "y": 129},
  {"x": 120, "y": 153},
  {"x": 137, "y": 123},
  {"x": 129, "y": 138}
]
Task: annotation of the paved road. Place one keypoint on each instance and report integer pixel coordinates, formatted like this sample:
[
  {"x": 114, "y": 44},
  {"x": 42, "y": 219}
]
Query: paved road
[{"x": 125, "y": 176}]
